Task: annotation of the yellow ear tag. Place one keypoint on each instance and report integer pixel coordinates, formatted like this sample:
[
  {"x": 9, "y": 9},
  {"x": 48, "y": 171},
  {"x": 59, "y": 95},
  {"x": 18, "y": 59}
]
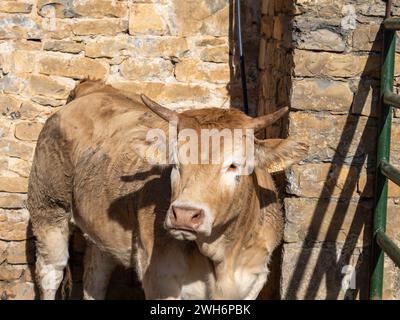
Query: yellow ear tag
[
  {"x": 276, "y": 166},
  {"x": 151, "y": 156}
]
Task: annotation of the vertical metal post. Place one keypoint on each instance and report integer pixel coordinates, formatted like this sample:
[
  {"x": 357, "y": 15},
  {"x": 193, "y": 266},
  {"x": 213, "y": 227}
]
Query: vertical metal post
[
  {"x": 383, "y": 154},
  {"x": 241, "y": 58}
]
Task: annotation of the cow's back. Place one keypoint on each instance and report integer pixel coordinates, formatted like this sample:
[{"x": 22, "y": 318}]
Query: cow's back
[{"x": 109, "y": 188}]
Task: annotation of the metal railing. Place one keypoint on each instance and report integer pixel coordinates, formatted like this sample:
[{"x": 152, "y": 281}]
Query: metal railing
[{"x": 382, "y": 244}]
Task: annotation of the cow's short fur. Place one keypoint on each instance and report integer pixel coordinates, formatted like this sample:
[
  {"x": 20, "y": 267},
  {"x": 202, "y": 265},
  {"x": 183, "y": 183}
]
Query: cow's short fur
[{"x": 89, "y": 168}]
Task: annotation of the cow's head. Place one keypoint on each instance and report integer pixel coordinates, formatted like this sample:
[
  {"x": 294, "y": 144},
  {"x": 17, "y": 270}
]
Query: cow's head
[{"x": 209, "y": 189}]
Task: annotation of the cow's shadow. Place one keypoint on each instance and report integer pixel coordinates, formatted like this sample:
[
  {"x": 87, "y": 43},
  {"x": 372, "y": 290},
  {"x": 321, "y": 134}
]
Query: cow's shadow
[
  {"x": 156, "y": 193},
  {"x": 124, "y": 283}
]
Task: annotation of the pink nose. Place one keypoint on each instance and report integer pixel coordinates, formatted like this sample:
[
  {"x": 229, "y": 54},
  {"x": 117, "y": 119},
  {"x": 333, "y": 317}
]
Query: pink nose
[{"x": 186, "y": 217}]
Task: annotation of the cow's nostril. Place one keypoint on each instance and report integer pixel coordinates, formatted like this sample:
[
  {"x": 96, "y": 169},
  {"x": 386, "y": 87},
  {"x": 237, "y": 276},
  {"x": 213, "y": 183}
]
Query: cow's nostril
[
  {"x": 197, "y": 218},
  {"x": 174, "y": 213},
  {"x": 186, "y": 217}
]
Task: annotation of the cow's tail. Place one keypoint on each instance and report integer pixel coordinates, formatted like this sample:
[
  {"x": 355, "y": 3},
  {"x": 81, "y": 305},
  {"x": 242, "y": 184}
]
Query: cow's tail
[{"x": 66, "y": 285}]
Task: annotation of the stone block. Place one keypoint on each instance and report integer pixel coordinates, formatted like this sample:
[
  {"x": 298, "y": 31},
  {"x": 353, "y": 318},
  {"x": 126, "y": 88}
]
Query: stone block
[
  {"x": 337, "y": 138},
  {"x": 192, "y": 70},
  {"x": 10, "y": 273},
  {"x": 71, "y": 66},
  {"x": 146, "y": 18},
  {"x": 101, "y": 8},
  {"x": 104, "y": 26},
  {"x": 14, "y": 225},
  {"x": 147, "y": 69},
  {"x": 12, "y": 200},
  {"x": 19, "y": 26},
  {"x": 15, "y": 7},
  {"x": 322, "y": 95},
  {"x": 219, "y": 54},
  {"x": 17, "y": 290},
  {"x": 319, "y": 272},
  {"x": 28, "y": 131},
  {"x": 328, "y": 220},
  {"x": 13, "y": 184},
  {"x": 53, "y": 87},
  {"x": 66, "y": 46},
  {"x": 322, "y": 40},
  {"x": 21, "y": 252},
  {"x": 319, "y": 64},
  {"x": 15, "y": 148},
  {"x": 327, "y": 180}
]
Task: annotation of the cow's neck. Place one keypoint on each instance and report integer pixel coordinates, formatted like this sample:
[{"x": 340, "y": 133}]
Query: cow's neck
[
  {"x": 234, "y": 235},
  {"x": 241, "y": 251}
]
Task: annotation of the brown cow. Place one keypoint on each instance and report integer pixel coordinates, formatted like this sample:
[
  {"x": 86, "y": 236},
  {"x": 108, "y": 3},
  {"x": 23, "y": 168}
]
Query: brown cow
[{"x": 94, "y": 165}]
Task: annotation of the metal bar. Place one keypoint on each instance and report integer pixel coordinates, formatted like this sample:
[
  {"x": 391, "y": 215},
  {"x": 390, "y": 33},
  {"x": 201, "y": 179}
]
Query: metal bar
[
  {"x": 241, "y": 58},
  {"x": 390, "y": 172},
  {"x": 392, "y": 99},
  {"x": 383, "y": 153},
  {"x": 388, "y": 11},
  {"x": 392, "y": 24},
  {"x": 390, "y": 248}
]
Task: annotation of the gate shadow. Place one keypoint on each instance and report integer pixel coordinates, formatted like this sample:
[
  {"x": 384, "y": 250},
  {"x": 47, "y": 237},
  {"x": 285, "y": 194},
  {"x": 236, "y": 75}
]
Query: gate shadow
[{"x": 360, "y": 225}]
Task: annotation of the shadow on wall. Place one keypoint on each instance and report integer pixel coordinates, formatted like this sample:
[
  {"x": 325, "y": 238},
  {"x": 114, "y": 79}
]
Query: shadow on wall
[
  {"x": 333, "y": 256},
  {"x": 275, "y": 66},
  {"x": 250, "y": 18},
  {"x": 322, "y": 255}
]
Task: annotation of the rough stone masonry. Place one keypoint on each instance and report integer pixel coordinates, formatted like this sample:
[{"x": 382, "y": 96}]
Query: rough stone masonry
[{"x": 321, "y": 57}]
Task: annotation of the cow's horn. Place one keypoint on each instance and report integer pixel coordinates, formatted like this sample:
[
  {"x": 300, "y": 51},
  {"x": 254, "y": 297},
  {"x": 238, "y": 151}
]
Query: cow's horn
[
  {"x": 163, "y": 112},
  {"x": 265, "y": 121}
]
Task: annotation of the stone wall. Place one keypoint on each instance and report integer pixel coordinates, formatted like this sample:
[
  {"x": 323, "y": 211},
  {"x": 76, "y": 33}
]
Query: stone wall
[
  {"x": 327, "y": 54},
  {"x": 321, "y": 57},
  {"x": 179, "y": 52}
]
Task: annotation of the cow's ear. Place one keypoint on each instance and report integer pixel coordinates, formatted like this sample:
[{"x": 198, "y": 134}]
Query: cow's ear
[{"x": 278, "y": 154}]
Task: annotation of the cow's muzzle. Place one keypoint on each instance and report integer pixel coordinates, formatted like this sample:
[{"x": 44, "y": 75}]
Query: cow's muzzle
[{"x": 186, "y": 218}]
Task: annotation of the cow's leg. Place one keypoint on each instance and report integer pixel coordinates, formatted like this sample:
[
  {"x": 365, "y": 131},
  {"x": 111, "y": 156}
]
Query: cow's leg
[
  {"x": 165, "y": 274},
  {"x": 98, "y": 267},
  {"x": 51, "y": 256}
]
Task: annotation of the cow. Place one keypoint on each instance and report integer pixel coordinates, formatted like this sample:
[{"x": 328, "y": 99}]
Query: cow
[{"x": 191, "y": 231}]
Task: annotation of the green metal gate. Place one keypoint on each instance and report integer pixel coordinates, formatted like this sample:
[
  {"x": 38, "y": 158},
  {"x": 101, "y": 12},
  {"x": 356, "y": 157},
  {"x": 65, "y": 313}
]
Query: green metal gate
[{"x": 384, "y": 170}]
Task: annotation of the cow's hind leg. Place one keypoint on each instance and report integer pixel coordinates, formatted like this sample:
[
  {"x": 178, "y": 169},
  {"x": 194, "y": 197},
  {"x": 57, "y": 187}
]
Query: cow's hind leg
[
  {"x": 51, "y": 256},
  {"x": 98, "y": 267},
  {"x": 49, "y": 197}
]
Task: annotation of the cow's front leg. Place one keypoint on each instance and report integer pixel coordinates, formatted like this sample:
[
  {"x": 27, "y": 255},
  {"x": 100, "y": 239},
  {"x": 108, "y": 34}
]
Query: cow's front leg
[
  {"x": 98, "y": 268},
  {"x": 161, "y": 286},
  {"x": 164, "y": 276},
  {"x": 257, "y": 286}
]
